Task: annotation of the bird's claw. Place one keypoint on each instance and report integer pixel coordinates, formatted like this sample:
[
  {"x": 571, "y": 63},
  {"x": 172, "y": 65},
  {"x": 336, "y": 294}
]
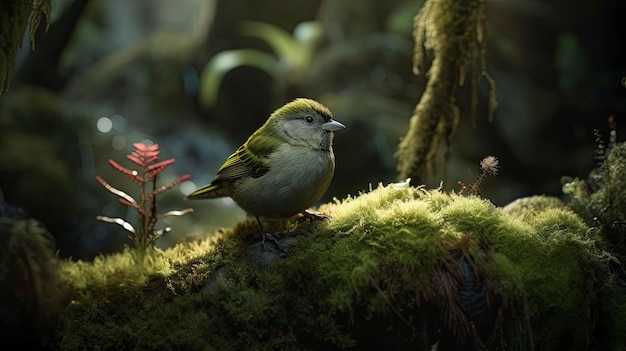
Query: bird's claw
[
  {"x": 313, "y": 216},
  {"x": 265, "y": 235}
]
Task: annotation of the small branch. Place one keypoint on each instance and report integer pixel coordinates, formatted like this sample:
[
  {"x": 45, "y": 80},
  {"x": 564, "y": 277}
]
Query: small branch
[
  {"x": 158, "y": 167},
  {"x": 168, "y": 186},
  {"x": 132, "y": 175}
]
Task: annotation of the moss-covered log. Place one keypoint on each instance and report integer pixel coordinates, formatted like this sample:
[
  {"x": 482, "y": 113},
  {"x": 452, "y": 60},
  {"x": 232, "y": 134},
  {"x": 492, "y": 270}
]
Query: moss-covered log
[{"x": 398, "y": 267}]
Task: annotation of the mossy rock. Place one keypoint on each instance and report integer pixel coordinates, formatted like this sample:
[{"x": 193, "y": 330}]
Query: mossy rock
[{"x": 397, "y": 268}]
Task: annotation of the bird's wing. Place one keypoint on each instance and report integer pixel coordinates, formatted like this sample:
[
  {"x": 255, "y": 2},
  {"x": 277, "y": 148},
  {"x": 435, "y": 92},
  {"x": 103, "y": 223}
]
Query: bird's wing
[{"x": 249, "y": 159}]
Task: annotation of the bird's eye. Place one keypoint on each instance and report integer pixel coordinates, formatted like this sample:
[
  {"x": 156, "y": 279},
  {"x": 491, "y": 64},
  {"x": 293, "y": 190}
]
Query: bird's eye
[{"x": 308, "y": 119}]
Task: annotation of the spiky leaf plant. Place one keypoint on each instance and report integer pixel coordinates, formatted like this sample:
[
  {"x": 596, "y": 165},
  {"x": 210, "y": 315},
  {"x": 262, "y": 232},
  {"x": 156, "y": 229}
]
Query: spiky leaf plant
[{"x": 145, "y": 233}]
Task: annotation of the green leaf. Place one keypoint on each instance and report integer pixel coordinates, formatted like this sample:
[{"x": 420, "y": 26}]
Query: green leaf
[
  {"x": 225, "y": 61},
  {"x": 279, "y": 39}
]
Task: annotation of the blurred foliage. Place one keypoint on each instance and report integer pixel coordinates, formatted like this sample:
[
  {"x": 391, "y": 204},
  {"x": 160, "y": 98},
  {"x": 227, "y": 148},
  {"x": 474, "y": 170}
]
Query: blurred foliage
[
  {"x": 293, "y": 55},
  {"x": 36, "y": 144},
  {"x": 32, "y": 294},
  {"x": 570, "y": 61}
]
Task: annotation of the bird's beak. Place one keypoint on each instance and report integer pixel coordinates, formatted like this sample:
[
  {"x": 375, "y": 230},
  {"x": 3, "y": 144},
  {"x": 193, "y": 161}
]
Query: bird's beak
[{"x": 332, "y": 126}]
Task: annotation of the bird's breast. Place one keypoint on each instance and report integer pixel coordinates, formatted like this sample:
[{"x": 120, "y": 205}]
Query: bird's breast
[{"x": 297, "y": 178}]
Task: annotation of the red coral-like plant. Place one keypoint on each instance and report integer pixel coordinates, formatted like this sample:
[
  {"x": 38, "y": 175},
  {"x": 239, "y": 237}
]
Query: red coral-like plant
[{"x": 146, "y": 156}]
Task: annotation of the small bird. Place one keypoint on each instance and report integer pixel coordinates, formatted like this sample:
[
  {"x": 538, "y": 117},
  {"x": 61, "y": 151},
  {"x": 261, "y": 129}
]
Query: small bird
[{"x": 283, "y": 168}]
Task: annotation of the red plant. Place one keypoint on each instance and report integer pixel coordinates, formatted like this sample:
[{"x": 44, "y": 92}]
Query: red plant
[{"x": 146, "y": 156}]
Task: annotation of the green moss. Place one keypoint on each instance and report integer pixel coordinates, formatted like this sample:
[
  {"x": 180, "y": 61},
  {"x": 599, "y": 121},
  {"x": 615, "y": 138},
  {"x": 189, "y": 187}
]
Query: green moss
[
  {"x": 601, "y": 199},
  {"x": 532, "y": 204},
  {"x": 382, "y": 273}
]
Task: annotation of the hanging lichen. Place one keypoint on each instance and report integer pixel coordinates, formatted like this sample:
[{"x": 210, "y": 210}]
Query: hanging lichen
[
  {"x": 14, "y": 16},
  {"x": 453, "y": 33}
]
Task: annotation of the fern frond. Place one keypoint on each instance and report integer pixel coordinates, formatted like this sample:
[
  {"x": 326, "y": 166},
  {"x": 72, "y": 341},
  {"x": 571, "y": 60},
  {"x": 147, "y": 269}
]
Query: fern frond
[
  {"x": 131, "y": 174},
  {"x": 157, "y": 168}
]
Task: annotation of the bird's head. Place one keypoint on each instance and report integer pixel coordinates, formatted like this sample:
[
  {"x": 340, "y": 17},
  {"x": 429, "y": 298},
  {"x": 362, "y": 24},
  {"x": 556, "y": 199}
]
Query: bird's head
[{"x": 304, "y": 122}]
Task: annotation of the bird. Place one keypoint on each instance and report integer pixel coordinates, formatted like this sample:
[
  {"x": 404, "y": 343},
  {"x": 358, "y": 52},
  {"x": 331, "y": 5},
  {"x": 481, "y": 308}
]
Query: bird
[{"x": 283, "y": 168}]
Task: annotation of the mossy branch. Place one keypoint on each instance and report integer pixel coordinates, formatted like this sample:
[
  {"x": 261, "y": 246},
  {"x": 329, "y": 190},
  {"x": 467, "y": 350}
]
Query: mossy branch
[{"x": 453, "y": 33}]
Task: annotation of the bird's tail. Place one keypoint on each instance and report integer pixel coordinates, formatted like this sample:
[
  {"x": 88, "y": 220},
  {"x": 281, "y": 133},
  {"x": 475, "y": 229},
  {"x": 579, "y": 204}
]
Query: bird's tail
[{"x": 211, "y": 191}]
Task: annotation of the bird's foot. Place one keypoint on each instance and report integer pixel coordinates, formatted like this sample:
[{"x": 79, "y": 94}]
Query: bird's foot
[
  {"x": 265, "y": 235},
  {"x": 313, "y": 216},
  {"x": 274, "y": 237}
]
